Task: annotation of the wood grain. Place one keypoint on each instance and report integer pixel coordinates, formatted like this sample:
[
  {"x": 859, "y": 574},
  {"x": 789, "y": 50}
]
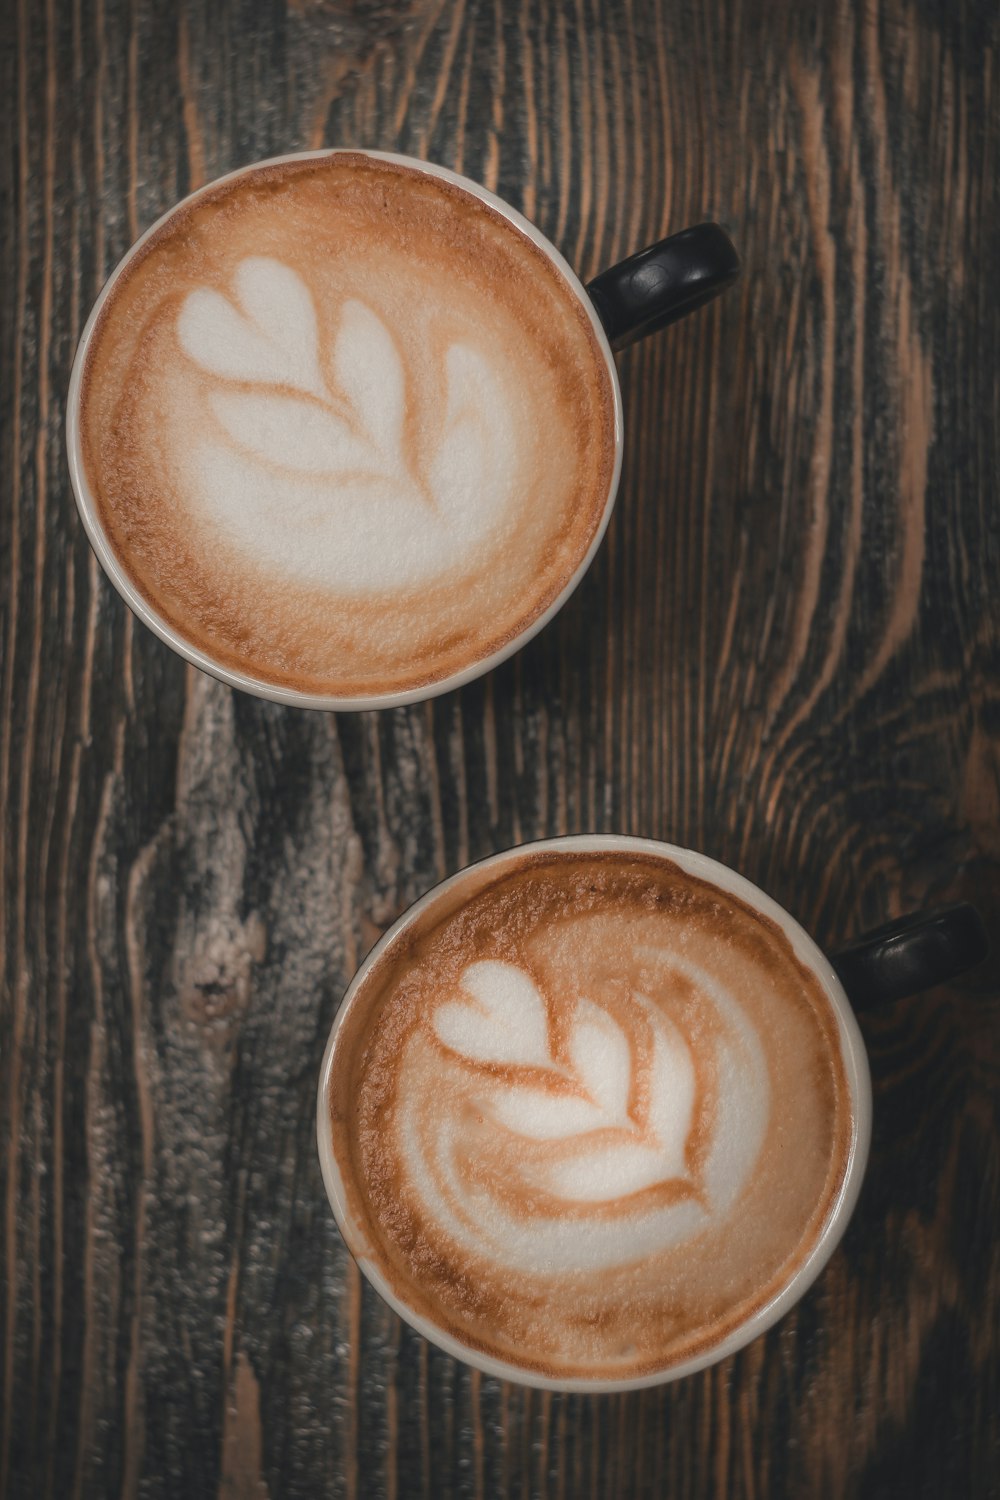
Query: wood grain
[{"x": 787, "y": 654}]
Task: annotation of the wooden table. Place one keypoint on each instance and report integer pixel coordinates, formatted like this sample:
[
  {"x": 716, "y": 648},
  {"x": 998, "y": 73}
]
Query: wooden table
[{"x": 786, "y": 654}]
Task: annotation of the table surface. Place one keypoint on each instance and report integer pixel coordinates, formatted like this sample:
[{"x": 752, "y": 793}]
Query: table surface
[{"x": 785, "y": 654}]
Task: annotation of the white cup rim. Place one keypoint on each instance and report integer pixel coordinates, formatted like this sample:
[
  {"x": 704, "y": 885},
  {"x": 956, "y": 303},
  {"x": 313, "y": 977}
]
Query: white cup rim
[
  {"x": 245, "y": 681},
  {"x": 856, "y": 1066}
]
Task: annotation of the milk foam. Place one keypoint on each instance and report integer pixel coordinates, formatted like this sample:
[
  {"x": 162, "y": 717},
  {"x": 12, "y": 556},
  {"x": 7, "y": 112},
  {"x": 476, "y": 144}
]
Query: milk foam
[
  {"x": 606, "y": 1145},
  {"x": 346, "y": 428},
  {"x": 309, "y": 472},
  {"x": 593, "y": 1114}
]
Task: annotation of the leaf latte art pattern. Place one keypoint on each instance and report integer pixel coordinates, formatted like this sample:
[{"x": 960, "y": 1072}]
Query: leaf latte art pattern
[
  {"x": 628, "y": 1134},
  {"x": 322, "y": 460}
]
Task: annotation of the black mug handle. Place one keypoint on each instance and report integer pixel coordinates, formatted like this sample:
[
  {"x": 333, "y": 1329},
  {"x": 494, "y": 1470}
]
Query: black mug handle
[
  {"x": 664, "y": 282},
  {"x": 911, "y": 954}
]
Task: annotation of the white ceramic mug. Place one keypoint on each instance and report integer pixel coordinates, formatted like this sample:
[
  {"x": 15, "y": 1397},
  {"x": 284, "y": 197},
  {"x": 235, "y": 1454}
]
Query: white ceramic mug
[
  {"x": 631, "y": 299},
  {"x": 855, "y": 1067},
  {"x": 903, "y": 957}
]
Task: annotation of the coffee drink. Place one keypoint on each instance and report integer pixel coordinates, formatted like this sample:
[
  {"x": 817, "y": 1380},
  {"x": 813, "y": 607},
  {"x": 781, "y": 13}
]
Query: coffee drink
[
  {"x": 347, "y": 429},
  {"x": 589, "y": 1113}
]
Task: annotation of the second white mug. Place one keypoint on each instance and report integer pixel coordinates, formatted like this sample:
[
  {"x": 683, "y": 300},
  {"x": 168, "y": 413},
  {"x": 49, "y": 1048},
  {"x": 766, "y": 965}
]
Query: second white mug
[{"x": 493, "y": 1174}]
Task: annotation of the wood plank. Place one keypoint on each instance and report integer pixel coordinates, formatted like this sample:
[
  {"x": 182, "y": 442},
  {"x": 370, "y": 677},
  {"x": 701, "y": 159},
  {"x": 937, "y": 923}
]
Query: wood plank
[{"x": 787, "y": 653}]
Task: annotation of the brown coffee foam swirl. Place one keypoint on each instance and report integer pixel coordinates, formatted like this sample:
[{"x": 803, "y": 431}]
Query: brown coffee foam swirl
[
  {"x": 411, "y": 480},
  {"x": 465, "y": 1214}
]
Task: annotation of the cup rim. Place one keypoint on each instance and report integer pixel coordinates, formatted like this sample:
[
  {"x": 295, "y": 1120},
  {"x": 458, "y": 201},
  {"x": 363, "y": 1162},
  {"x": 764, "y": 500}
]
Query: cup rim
[
  {"x": 856, "y": 1066},
  {"x": 246, "y": 681}
]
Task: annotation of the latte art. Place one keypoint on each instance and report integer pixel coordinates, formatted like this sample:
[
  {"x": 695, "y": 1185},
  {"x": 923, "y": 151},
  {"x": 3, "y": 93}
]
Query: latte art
[
  {"x": 347, "y": 429},
  {"x": 590, "y": 1115},
  {"x": 640, "y": 1119},
  {"x": 284, "y": 439}
]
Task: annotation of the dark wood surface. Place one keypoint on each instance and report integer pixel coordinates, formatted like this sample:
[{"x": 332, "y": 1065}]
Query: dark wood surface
[{"x": 786, "y": 654}]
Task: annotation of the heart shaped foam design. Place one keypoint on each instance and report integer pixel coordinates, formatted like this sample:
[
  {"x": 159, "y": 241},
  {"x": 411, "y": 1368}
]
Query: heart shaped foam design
[
  {"x": 269, "y": 334},
  {"x": 507, "y": 1022}
]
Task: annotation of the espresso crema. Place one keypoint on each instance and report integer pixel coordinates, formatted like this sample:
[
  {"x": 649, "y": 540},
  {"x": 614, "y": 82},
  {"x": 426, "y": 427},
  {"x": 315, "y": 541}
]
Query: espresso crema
[
  {"x": 347, "y": 429},
  {"x": 590, "y": 1113}
]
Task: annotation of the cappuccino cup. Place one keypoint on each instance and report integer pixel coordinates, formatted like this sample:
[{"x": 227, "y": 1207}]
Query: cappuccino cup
[
  {"x": 595, "y": 1112},
  {"x": 345, "y": 429}
]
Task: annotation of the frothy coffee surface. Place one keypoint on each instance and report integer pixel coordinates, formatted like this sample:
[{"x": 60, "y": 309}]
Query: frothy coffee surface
[
  {"x": 347, "y": 429},
  {"x": 590, "y": 1114}
]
